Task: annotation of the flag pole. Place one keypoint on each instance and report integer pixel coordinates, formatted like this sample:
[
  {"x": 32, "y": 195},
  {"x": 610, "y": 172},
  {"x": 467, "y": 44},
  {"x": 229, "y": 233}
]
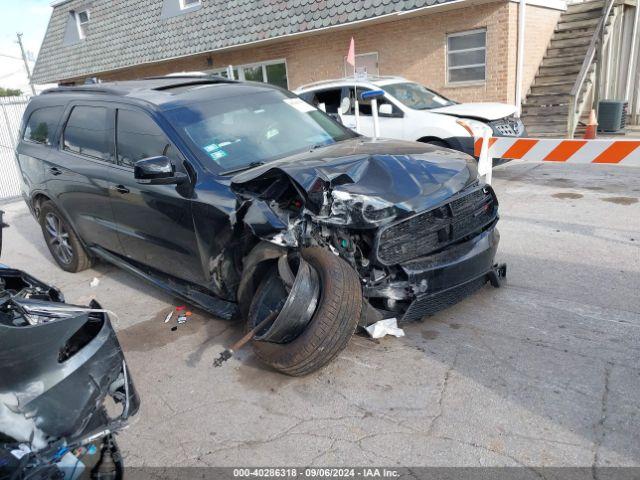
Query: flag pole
[{"x": 355, "y": 92}]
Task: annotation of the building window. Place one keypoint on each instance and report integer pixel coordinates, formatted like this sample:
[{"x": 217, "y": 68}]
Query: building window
[
  {"x": 82, "y": 19},
  {"x": 184, "y": 4},
  {"x": 273, "y": 72},
  {"x": 366, "y": 66},
  {"x": 466, "y": 56}
]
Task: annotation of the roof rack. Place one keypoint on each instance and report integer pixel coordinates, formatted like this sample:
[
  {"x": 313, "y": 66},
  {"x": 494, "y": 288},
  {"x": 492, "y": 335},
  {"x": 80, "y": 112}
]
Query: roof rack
[
  {"x": 84, "y": 88},
  {"x": 177, "y": 81}
]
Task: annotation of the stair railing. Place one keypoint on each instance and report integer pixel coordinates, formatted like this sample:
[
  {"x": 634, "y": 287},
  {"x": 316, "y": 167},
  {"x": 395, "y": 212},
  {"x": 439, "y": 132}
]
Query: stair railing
[{"x": 574, "y": 96}]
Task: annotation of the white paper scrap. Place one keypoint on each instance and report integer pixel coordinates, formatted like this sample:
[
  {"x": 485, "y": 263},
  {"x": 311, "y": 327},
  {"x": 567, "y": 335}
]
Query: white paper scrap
[{"x": 388, "y": 326}]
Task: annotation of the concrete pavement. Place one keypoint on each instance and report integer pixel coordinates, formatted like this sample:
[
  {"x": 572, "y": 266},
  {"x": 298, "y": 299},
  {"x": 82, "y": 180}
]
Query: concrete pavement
[{"x": 542, "y": 372}]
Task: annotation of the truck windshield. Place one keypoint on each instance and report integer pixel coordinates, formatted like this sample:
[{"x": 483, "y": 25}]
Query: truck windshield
[
  {"x": 415, "y": 96},
  {"x": 252, "y": 129}
]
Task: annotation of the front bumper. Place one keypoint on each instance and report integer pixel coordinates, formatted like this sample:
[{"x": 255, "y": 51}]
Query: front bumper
[
  {"x": 452, "y": 275},
  {"x": 75, "y": 360},
  {"x": 467, "y": 144}
]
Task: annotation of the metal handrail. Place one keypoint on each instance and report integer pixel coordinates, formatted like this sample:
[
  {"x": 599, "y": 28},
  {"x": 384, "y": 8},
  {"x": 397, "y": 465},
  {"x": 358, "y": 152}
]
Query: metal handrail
[{"x": 586, "y": 65}]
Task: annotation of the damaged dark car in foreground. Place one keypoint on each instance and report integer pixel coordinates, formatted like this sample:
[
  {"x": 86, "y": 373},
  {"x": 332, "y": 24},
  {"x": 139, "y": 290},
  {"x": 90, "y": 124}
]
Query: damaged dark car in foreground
[
  {"x": 65, "y": 389},
  {"x": 250, "y": 203}
]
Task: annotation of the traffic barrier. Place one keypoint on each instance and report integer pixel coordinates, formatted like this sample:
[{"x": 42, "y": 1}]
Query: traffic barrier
[
  {"x": 609, "y": 151},
  {"x": 624, "y": 152}
]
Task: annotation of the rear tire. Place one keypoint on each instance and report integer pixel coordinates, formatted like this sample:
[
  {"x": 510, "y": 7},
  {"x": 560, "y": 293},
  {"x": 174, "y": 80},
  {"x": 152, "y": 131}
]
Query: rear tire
[
  {"x": 63, "y": 243},
  {"x": 332, "y": 324}
]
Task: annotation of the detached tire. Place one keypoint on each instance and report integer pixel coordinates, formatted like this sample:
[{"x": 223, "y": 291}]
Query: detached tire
[
  {"x": 64, "y": 245},
  {"x": 332, "y": 324}
]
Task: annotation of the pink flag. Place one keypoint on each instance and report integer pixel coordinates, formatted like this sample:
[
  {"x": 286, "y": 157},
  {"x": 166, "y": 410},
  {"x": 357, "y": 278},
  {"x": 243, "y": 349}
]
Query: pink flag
[{"x": 351, "y": 56}]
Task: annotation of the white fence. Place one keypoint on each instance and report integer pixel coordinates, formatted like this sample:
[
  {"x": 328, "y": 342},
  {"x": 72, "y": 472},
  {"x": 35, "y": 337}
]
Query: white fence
[{"x": 11, "y": 110}]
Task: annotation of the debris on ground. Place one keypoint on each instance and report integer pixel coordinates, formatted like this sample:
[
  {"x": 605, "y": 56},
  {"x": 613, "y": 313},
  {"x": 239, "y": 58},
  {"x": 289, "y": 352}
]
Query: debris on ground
[
  {"x": 388, "y": 326},
  {"x": 167, "y": 319},
  {"x": 95, "y": 282}
]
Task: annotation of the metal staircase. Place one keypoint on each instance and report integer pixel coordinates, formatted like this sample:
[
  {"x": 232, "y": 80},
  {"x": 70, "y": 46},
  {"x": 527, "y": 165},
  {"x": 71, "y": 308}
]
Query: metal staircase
[{"x": 562, "y": 91}]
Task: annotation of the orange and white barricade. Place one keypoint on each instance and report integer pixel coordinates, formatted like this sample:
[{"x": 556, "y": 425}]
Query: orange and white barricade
[{"x": 607, "y": 151}]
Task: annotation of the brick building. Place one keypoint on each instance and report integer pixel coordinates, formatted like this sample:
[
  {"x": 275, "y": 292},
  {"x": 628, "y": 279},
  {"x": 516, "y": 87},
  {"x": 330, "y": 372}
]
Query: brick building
[{"x": 466, "y": 49}]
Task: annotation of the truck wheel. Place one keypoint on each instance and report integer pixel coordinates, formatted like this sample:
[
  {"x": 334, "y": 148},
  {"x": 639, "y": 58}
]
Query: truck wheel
[
  {"x": 330, "y": 327},
  {"x": 64, "y": 245}
]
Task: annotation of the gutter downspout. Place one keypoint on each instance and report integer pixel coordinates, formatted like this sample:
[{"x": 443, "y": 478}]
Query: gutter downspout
[{"x": 520, "y": 55}]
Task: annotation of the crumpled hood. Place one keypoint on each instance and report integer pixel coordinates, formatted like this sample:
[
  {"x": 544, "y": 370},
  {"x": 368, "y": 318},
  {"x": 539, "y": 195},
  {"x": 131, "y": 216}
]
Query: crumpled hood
[
  {"x": 482, "y": 111},
  {"x": 413, "y": 176}
]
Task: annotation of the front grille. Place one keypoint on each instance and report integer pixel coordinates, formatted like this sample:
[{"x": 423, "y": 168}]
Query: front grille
[
  {"x": 507, "y": 127},
  {"x": 430, "y": 304},
  {"x": 429, "y": 231}
]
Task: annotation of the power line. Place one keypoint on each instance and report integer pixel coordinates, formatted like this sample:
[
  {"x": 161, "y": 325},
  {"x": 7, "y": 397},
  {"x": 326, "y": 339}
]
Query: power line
[
  {"x": 10, "y": 56},
  {"x": 2, "y": 77}
]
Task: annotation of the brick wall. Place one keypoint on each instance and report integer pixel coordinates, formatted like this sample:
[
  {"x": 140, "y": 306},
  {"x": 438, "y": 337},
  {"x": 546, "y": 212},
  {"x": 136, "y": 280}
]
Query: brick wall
[
  {"x": 540, "y": 24},
  {"x": 414, "y": 47}
]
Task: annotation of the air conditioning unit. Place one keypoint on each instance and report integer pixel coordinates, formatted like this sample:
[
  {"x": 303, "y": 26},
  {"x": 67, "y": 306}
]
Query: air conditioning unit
[{"x": 612, "y": 116}]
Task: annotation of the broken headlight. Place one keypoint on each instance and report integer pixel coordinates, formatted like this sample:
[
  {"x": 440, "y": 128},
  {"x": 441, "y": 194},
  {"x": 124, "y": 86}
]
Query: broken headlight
[{"x": 355, "y": 209}]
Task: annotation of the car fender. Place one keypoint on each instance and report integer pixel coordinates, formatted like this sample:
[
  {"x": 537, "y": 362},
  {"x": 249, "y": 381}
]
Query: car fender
[
  {"x": 255, "y": 263},
  {"x": 47, "y": 198},
  {"x": 420, "y": 124}
]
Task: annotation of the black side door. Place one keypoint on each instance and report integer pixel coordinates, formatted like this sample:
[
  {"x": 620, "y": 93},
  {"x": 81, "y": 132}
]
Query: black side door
[
  {"x": 78, "y": 172},
  {"x": 155, "y": 224}
]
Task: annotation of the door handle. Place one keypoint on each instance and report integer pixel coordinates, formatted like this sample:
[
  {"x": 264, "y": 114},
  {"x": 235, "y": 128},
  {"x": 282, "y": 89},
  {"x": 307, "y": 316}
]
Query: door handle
[
  {"x": 55, "y": 171},
  {"x": 120, "y": 189}
]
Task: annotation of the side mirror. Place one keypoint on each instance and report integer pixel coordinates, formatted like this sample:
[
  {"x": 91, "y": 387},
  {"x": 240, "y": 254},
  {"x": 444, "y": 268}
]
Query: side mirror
[
  {"x": 386, "y": 109},
  {"x": 157, "y": 171},
  {"x": 345, "y": 105}
]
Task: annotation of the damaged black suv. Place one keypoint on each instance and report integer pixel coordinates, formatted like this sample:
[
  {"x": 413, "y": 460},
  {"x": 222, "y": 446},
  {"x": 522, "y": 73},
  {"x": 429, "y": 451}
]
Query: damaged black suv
[{"x": 248, "y": 202}]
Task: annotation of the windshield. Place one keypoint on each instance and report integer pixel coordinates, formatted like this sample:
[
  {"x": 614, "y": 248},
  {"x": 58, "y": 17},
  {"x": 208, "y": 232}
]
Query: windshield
[
  {"x": 415, "y": 96},
  {"x": 245, "y": 130}
]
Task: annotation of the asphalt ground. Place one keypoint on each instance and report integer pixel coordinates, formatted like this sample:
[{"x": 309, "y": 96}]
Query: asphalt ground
[{"x": 544, "y": 371}]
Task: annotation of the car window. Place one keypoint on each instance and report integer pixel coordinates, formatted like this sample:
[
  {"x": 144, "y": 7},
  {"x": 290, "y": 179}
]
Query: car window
[
  {"x": 414, "y": 95},
  {"x": 89, "y": 131},
  {"x": 241, "y": 130},
  {"x": 42, "y": 124},
  {"x": 365, "y": 105},
  {"x": 331, "y": 99},
  {"x": 138, "y": 136}
]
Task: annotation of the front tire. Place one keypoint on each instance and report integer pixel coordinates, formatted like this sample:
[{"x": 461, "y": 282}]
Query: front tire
[
  {"x": 331, "y": 326},
  {"x": 63, "y": 243}
]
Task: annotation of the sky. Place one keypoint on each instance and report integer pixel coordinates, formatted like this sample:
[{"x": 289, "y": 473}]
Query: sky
[{"x": 29, "y": 17}]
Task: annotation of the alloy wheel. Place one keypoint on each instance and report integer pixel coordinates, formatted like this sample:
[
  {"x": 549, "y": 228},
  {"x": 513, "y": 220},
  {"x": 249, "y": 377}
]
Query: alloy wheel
[{"x": 58, "y": 238}]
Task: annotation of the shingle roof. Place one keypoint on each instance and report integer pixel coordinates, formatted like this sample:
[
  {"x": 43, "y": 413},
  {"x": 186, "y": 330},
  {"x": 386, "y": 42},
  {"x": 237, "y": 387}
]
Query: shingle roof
[{"x": 124, "y": 33}]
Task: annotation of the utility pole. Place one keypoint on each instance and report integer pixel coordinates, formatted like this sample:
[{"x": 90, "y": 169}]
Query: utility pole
[{"x": 26, "y": 64}]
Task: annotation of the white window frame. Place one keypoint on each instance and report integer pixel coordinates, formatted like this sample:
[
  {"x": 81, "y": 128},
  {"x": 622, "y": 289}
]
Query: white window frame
[
  {"x": 264, "y": 65},
  {"x": 448, "y": 68},
  {"x": 348, "y": 69},
  {"x": 185, "y": 6},
  {"x": 80, "y": 25}
]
